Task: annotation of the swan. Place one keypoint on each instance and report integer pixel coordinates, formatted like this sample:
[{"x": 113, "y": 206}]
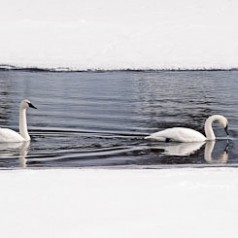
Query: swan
[
  {"x": 181, "y": 134},
  {"x": 8, "y": 135}
]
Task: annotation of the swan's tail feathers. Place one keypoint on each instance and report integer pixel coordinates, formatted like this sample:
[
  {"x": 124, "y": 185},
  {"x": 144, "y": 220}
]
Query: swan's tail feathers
[
  {"x": 150, "y": 137},
  {"x": 155, "y": 138}
]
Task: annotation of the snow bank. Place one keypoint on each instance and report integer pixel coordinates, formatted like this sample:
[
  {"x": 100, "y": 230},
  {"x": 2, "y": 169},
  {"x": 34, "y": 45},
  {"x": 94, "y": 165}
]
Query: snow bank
[
  {"x": 119, "y": 203},
  {"x": 125, "y": 34}
]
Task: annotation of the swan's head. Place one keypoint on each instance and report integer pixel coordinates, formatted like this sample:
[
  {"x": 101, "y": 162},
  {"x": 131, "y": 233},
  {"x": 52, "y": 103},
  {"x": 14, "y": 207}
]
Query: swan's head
[{"x": 26, "y": 103}]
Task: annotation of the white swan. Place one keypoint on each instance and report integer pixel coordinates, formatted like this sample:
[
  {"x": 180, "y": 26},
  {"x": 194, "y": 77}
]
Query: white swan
[
  {"x": 8, "y": 135},
  {"x": 181, "y": 134}
]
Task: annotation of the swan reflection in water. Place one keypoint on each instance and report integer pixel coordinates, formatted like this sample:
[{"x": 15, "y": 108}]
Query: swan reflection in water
[
  {"x": 211, "y": 155},
  {"x": 13, "y": 149},
  {"x": 187, "y": 149},
  {"x": 208, "y": 156}
]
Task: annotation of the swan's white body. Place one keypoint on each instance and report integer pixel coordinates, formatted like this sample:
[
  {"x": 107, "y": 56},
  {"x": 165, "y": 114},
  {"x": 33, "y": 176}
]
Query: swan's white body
[
  {"x": 8, "y": 135},
  {"x": 181, "y": 134}
]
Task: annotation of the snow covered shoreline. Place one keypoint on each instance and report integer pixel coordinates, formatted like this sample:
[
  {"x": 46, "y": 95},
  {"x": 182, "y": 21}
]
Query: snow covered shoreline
[
  {"x": 119, "y": 203},
  {"x": 115, "y": 35}
]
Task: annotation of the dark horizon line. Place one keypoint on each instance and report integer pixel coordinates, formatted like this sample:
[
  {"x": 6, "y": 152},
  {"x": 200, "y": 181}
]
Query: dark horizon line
[{"x": 5, "y": 67}]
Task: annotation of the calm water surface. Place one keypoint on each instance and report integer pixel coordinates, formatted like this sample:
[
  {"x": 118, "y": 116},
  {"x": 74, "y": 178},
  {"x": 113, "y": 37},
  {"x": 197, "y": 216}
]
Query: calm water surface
[{"x": 99, "y": 119}]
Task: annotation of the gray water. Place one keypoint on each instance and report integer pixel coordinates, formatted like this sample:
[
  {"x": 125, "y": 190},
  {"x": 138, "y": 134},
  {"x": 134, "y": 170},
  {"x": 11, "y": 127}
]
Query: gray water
[{"x": 99, "y": 119}]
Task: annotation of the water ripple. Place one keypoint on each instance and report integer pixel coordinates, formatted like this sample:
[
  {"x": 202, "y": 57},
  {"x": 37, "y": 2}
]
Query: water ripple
[{"x": 99, "y": 119}]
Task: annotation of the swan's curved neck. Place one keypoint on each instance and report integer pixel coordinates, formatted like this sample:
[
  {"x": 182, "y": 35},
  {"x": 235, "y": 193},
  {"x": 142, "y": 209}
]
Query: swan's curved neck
[
  {"x": 208, "y": 129},
  {"x": 23, "y": 124},
  {"x": 208, "y": 126}
]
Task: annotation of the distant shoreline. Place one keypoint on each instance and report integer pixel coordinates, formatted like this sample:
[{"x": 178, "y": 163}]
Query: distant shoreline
[{"x": 6, "y": 67}]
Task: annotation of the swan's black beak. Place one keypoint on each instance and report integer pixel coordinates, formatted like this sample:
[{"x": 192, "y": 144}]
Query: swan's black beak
[
  {"x": 31, "y": 105},
  {"x": 226, "y": 129}
]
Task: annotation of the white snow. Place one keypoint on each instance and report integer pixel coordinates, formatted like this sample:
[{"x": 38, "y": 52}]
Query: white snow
[
  {"x": 125, "y": 34},
  {"x": 119, "y": 203}
]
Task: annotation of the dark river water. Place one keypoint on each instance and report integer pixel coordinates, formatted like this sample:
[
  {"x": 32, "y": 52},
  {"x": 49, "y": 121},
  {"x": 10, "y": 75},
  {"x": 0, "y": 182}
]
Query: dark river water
[{"x": 99, "y": 119}]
